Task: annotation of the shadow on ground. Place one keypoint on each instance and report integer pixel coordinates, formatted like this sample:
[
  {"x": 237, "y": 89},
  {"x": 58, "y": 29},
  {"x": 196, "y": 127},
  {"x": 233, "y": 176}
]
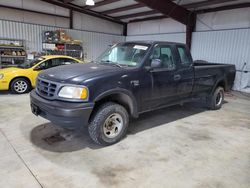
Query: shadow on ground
[
  {"x": 52, "y": 138},
  {"x": 10, "y": 93},
  {"x": 5, "y": 93}
]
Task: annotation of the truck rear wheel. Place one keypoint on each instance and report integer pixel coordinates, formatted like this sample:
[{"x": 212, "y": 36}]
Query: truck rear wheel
[
  {"x": 109, "y": 124},
  {"x": 216, "y": 100}
]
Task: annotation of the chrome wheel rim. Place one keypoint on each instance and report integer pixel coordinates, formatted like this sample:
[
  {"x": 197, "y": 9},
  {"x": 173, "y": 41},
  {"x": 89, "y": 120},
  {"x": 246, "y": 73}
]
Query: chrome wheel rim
[
  {"x": 20, "y": 86},
  {"x": 219, "y": 98},
  {"x": 113, "y": 125}
]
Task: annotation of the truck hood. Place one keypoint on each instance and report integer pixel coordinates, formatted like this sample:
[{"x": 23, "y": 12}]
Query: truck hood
[{"x": 76, "y": 73}]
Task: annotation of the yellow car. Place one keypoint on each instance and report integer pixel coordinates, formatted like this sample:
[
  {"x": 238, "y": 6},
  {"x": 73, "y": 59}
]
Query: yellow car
[{"x": 22, "y": 78}]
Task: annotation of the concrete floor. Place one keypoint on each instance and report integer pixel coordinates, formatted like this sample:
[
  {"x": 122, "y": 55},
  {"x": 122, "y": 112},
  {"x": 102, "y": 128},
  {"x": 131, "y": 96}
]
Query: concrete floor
[{"x": 176, "y": 147}]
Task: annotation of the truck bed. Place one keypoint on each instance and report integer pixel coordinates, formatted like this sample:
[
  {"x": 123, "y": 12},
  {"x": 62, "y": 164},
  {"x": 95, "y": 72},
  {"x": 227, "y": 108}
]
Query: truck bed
[
  {"x": 207, "y": 73},
  {"x": 209, "y": 64}
]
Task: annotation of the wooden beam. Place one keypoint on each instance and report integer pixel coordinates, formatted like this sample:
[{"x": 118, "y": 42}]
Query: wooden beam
[
  {"x": 130, "y": 7},
  {"x": 138, "y": 14},
  {"x": 84, "y": 11},
  {"x": 101, "y": 3},
  {"x": 228, "y": 7},
  {"x": 147, "y": 19},
  {"x": 168, "y": 8}
]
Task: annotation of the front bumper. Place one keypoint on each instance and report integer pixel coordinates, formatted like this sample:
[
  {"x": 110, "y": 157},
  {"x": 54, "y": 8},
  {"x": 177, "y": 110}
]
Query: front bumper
[
  {"x": 4, "y": 85},
  {"x": 64, "y": 114}
]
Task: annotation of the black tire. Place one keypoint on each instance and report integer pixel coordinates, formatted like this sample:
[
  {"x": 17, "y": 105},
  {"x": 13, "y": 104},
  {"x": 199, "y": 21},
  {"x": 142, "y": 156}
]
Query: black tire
[
  {"x": 20, "y": 86},
  {"x": 215, "y": 101},
  {"x": 100, "y": 123}
]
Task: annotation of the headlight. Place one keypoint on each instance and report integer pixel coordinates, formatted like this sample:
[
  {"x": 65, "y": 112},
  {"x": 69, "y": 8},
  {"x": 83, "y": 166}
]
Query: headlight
[
  {"x": 1, "y": 76},
  {"x": 72, "y": 92}
]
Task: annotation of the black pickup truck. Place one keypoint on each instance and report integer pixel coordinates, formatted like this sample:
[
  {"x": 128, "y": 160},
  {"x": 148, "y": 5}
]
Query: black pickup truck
[{"x": 126, "y": 80}]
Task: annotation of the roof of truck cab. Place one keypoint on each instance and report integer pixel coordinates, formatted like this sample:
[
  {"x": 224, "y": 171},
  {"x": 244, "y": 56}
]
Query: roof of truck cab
[{"x": 151, "y": 42}]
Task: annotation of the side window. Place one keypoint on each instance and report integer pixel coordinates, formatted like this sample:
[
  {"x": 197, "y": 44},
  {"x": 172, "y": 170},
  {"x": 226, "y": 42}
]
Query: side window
[
  {"x": 164, "y": 53},
  {"x": 185, "y": 60},
  {"x": 56, "y": 62},
  {"x": 138, "y": 55},
  {"x": 156, "y": 53},
  {"x": 45, "y": 65}
]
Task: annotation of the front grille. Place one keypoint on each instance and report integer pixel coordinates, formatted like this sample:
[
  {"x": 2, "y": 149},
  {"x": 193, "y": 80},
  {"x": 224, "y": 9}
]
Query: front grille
[{"x": 46, "y": 88}]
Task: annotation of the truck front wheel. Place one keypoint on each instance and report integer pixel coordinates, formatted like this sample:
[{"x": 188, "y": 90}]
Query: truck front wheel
[
  {"x": 216, "y": 100},
  {"x": 109, "y": 124}
]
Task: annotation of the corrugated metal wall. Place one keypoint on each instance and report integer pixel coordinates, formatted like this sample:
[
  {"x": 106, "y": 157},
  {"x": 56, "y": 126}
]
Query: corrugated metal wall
[
  {"x": 226, "y": 46},
  {"x": 171, "y": 37},
  {"x": 94, "y": 43}
]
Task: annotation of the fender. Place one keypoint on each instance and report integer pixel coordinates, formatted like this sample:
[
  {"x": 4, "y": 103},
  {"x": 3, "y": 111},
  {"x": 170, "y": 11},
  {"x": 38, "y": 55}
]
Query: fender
[
  {"x": 131, "y": 100},
  {"x": 25, "y": 77},
  {"x": 221, "y": 79}
]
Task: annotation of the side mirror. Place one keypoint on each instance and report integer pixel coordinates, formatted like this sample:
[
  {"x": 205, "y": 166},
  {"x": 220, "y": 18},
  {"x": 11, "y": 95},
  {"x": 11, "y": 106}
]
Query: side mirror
[{"x": 156, "y": 63}]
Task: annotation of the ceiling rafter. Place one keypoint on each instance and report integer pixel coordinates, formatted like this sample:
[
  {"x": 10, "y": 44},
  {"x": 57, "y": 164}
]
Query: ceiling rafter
[
  {"x": 84, "y": 11},
  {"x": 148, "y": 18},
  {"x": 206, "y": 3},
  {"x": 222, "y": 8},
  {"x": 137, "y": 14},
  {"x": 33, "y": 11},
  {"x": 121, "y": 9},
  {"x": 169, "y": 8},
  {"x": 101, "y": 3},
  {"x": 188, "y": 6},
  {"x": 147, "y": 3}
]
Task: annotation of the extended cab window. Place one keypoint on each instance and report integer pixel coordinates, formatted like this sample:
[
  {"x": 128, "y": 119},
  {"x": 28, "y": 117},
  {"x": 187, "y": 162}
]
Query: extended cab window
[
  {"x": 185, "y": 60},
  {"x": 164, "y": 53}
]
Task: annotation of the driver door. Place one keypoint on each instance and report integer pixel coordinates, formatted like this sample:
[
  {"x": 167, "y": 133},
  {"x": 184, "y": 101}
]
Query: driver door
[{"x": 163, "y": 77}]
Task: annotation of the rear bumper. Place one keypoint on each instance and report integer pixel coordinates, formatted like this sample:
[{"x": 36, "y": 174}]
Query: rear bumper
[{"x": 64, "y": 114}]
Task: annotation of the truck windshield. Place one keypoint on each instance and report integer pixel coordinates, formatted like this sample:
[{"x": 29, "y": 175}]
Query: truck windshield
[
  {"x": 29, "y": 64},
  {"x": 124, "y": 54}
]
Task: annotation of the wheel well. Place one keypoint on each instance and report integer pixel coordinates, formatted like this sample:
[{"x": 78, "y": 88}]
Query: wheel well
[
  {"x": 118, "y": 98},
  {"x": 20, "y": 77},
  {"x": 221, "y": 84}
]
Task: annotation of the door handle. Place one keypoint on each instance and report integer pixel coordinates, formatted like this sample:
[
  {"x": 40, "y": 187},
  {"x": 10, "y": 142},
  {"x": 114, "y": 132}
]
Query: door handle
[{"x": 177, "y": 77}]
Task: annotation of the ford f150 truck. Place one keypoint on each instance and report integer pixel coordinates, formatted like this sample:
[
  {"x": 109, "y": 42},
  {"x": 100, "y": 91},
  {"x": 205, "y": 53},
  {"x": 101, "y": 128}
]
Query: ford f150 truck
[{"x": 128, "y": 79}]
